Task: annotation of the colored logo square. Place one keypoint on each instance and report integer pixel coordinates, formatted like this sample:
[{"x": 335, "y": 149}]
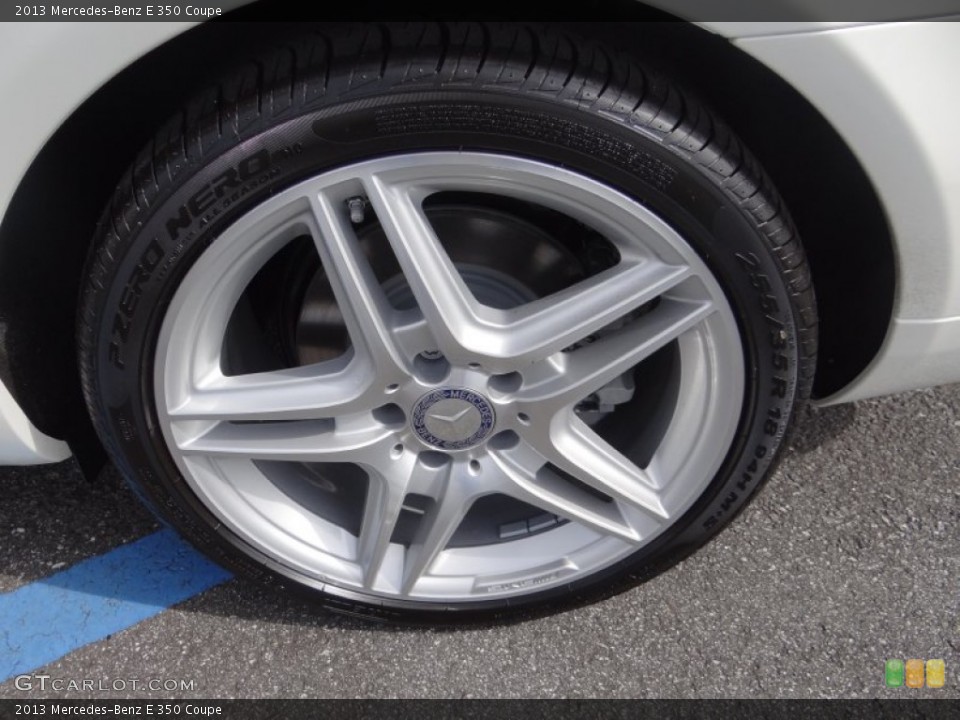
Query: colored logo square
[
  {"x": 936, "y": 673},
  {"x": 914, "y": 673},
  {"x": 893, "y": 673}
]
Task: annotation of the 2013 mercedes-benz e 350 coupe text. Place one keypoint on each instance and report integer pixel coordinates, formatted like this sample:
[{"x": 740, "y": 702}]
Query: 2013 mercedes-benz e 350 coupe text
[{"x": 456, "y": 321}]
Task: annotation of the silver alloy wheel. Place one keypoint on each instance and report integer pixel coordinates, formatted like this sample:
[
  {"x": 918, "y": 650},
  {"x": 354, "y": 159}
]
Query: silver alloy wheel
[{"x": 502, "y": 412}]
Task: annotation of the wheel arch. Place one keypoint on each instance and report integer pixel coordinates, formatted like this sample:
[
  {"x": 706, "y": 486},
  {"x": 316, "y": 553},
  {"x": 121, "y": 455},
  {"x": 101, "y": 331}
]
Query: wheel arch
[{"x": 42, "y": 253}]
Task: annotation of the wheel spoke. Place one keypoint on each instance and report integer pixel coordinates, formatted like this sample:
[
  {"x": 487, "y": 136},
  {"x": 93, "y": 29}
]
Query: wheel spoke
[
  {"x": 366, "y": 311},
  {"x": 554, "y": 495},
  {"x": 587, "y": 369},
  {"x": 502, "y": 339},
  {"x": 438, "y": 525},
  {"x": 381, "y": 511},
  {"x": 387, "y": 491},
  {"x": 443, "y": 297},
  {"x": 305, "y": 441},
  {"x": 303, "y": 393},
  {"x": 551, "y": 324},
  {"x": 577, "y": 450}
]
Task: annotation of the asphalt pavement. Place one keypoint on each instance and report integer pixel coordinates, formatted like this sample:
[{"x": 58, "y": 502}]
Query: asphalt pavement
[{"x": 849, "y": 556}]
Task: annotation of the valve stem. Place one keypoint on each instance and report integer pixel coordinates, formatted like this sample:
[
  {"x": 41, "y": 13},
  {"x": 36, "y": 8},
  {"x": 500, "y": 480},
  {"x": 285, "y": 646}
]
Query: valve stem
[{"x": 358, "y": 209}]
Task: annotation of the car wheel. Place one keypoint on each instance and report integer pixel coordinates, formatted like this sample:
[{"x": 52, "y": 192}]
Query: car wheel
[{"x": 446, "y": 322}]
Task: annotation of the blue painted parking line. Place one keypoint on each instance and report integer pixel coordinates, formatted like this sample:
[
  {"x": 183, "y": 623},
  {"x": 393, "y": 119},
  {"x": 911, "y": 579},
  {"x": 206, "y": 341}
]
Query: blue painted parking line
[{"x": 43, "y": 621}]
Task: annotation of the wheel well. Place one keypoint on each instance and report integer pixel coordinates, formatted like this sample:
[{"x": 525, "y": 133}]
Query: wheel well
[
  {"x": 841, "y": 221},
  {"x": 42, "y": 253}
]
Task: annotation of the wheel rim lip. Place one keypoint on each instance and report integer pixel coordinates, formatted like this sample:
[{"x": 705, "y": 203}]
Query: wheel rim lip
[{"x": 713, "y": 339}]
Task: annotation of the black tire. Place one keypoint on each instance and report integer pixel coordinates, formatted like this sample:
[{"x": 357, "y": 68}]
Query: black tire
[{"x": 362, "y": 92}]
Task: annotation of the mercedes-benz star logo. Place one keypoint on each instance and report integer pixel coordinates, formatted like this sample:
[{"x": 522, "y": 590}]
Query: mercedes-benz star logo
[{"x": 452, "y": 418}]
